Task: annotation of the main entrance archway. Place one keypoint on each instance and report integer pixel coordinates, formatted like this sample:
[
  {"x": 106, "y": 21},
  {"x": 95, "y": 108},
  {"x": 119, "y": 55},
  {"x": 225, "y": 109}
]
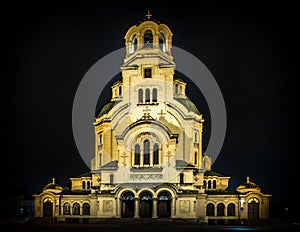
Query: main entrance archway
[
  {"x": 145, "y": 204},
  {"x": 47, "y": 207},
  {"x": 127, "y": 199},
  {"x": 164, "y": 204},
  {"x": 253, "y": 210}
]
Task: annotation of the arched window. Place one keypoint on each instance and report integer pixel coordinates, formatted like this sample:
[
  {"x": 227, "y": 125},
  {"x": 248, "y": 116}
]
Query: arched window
[
  {"x": 181, "y": 178},
  {"x": 220, "y": 209},
  {"x": 137, "y": 154},
  {"x": 154, "y": 95},
  {"x": 147, "y": 98},
  {"x": 86, "y": 209},
  {"x": 148, "y": 39},
  {"x": 156, "y": 154},
  {"x": 210, "y": 209},
  {"x": 83, "y": 184},
  {"x": 209, "y": 184},
  {"x": 195, "y": 158},
  {"x": 253, "y": 200},
  {"x": 204, "y": 184},
  {"x": 66, "y": 209},
  {"x": 231, "y": 209},
  {"x": 120, "y": 90},
  {"x": 76, "y": 209},
  {"x": 141, "y": 96},
  {"x": 162, "y": 42},
  {"x": 88, "y": 185},
  {"x": 146, "y": 152},
  {"x": 214, "y": 184},
  {"x": 134, "y": 44}
]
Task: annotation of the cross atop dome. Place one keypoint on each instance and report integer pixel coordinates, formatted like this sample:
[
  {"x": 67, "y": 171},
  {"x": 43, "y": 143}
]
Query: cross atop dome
[{"x": 148, "y": 15}]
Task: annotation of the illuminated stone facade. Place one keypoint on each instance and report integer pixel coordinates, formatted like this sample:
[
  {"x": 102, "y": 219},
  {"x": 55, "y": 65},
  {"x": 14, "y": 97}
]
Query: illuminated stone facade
[{"x": 148, "y": 160}]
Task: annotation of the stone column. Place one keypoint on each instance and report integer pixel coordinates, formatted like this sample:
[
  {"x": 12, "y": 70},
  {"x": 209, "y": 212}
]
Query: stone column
[
  {"x": 119, "y": 207},
  {"x": 136, "y": 207},
  {"x": 154, "y": 208},
  {"x": 173, "y": 207}
]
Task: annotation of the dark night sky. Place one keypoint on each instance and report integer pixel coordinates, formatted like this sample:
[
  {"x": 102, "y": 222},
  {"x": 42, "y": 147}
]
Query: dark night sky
[{"x": 48, "y": 48}]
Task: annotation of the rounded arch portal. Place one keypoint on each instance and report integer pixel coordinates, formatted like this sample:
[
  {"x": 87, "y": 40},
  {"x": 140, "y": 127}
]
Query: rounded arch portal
[
  {"x": 146, "y": 203},
  {"x": 127, "y": 203},
  {"x": 164, "y": 200}
]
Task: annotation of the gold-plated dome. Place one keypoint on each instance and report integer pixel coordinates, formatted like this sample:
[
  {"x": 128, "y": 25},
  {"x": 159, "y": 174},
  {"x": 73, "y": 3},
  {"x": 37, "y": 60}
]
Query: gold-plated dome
[
  {"x": 247, "y": 186},
  {"x": 53, "y": 186}
]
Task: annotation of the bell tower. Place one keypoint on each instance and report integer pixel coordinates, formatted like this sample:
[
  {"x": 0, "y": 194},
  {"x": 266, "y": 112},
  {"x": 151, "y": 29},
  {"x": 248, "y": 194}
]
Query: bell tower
[{"x": 148, "y": 61}]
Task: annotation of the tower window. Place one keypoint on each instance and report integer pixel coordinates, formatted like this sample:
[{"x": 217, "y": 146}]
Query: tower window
[
  {"x": 137, "y": 154},
  {"x": 148, "y": 39},
  {"x": 147, "y": 73},
  {"x": 83, "y": 184},
  {"x": 162, "y": 42},
  {"x": 147, "y": 95},
  {"x": 141, "y": 96},
  {"x": 146, "y": 152},
  {"x": 155, "y": 154},
  {"x": 154, "y": 95},
  {"x": 134, "y": 44},
  {"x": 195, "y": 158},
  {"x": 88, "y": 185}
]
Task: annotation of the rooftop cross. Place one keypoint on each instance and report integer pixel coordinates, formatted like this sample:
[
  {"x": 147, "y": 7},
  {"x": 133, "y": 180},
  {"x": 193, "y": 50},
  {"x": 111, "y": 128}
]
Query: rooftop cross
[
  {"x": 148, "y": 15},
  {"x": 124, "y": 156},
  {"x": 169, "y": 156},
  {"x": 147, "y": 114},
  {"x": 161, "y": 113}
]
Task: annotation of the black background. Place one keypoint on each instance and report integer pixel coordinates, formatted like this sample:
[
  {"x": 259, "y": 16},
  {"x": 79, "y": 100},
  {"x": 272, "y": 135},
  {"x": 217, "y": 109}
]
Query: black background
[{"x": 250, "y": 49}]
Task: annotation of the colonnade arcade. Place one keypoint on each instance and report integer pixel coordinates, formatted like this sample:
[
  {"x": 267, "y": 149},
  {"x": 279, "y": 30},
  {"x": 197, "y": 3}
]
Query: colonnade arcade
[{"x": 146, "y": 203}]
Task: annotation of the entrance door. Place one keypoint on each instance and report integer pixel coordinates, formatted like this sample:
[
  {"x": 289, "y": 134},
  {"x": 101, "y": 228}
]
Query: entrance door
[
  {"x": 164, "y": 205},
  {"x": 47, "y": 207},
  {"x": 127, "y": 205},
  {"x": 146, "y": 205},
  {"x": 253, "y": 210}
]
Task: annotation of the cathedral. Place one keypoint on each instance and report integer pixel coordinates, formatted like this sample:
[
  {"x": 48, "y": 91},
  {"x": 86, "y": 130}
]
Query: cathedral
[{"x": 149, "y": 160}]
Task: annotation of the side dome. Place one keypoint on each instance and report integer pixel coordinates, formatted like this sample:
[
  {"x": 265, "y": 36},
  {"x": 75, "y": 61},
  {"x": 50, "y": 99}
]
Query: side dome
[
  {"x": 53, "y": 187},
  {"x": 248, "y": 186}
]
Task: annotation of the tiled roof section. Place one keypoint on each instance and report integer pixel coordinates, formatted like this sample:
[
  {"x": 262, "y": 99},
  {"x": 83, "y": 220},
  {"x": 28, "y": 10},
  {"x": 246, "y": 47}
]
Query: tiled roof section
[
  {"x": 212, "y": 173},
  {"x": 85, "y": 174},
  {"x": 110, "y": 165}
]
